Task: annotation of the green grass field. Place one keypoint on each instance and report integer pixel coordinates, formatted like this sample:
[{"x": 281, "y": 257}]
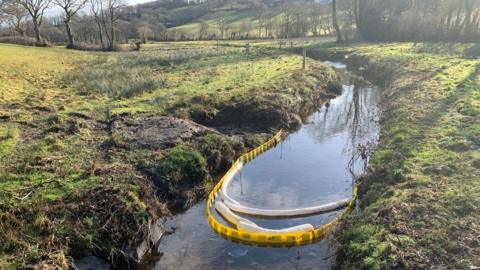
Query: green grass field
[
  {"x": 421, "y": 198},
  {"x": 244, "y": 22},
  {"x": 76, "y": 179}
]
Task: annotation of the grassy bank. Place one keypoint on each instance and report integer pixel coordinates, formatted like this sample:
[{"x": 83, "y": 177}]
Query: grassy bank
[
  {"x": 421, "y": 198},
  {"x": 96, "y": 146}
]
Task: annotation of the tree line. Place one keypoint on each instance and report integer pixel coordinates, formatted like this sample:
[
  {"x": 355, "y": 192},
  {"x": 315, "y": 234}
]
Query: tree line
[
  {"x": 106, "y": 23},
  {"x": 418, "y": 20},
  {"x": 101, "y": 22}
]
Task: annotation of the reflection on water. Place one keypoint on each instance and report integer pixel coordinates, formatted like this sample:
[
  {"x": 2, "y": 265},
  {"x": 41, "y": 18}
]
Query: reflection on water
[
  {"x": 312, "y": 166},
  {"x": 336, "y": 65},
  {"x": 195, "y": 246}
]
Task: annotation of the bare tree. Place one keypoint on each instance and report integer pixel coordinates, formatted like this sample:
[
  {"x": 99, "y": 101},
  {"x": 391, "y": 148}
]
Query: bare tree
[
  {"x": 143, "y": 30},
  {"x": 203, "y": 32},
  {"x": 36, "y": 9},
  {"x": 314, "y": 17},
  {"x": 2, "y": 12},
  {"x": 86, "y": 29},
  {"x": 269, "y": 21},
  {"x": 106, "y": 16},
  {"x": 260, "y": 11},
  {"x": 221, "y": 22},
  {"x": 471, "y": 18},
  {"x": 110, "y": 17},
  {"x": 287, "y": 20},
  {"x": 335, "y": 22},
  {"x": 300, "y": 21},
  {"x": 126, "y": 30},
  {"x": 96, "y": 8},
  {"x": 244, "y": 29},
  {"x": 70, "y": 8},
  {"x": 16, "y": 15}
]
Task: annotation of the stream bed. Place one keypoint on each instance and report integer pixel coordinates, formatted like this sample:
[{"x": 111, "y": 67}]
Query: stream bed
[{"x": 315, "y": 165}]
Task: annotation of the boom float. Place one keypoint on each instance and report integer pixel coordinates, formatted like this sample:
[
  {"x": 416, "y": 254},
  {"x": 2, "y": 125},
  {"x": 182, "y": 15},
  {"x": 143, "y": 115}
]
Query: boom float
[{"x": 246, "y": 231}]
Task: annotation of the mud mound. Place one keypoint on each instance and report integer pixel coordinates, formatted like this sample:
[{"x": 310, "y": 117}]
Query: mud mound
[
  {"x": 284, "y": 105},
  {"x": 155, "y": 132}
]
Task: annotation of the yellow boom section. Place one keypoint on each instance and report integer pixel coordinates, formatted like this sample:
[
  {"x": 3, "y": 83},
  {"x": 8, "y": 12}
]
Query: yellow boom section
[{"x": 267, "y": 239}]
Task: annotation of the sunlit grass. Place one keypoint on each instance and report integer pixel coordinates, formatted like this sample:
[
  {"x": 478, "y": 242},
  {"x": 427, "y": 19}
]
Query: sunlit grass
[
  {"x": 429, "y": 151},
  {"x": 177, "y": 76}
]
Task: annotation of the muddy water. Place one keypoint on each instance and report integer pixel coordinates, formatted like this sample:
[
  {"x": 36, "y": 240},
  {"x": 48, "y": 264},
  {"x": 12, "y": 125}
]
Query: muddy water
[{"x": 315, "y": 165}]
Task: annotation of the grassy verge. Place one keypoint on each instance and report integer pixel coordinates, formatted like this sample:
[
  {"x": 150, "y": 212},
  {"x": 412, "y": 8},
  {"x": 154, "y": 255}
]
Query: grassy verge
[
  {"x": 96, "y": 146},
  {"x": 421, "y": 198}
]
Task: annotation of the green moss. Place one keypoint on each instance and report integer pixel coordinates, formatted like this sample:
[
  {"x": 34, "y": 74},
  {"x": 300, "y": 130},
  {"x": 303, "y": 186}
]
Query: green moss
[
  {"x": 363, "y": 245},
  {"x": 9, "y": 135},
  {"x": 219, "y": 152},
  {"x": 182, "y": 165}
]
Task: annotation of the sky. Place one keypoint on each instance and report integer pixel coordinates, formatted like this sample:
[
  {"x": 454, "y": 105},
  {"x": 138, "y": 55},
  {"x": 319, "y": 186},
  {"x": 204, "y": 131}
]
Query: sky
[{"x": 134, "y": 2}]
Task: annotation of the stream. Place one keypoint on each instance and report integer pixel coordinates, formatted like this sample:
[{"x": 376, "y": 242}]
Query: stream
[{"x": 315, "y": 165}]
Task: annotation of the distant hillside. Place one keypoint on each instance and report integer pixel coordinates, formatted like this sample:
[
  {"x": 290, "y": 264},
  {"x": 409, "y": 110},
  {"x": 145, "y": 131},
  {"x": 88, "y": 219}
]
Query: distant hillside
[
  {"x": 188, "y": 20},
  {"x": 239, "y": 21}
]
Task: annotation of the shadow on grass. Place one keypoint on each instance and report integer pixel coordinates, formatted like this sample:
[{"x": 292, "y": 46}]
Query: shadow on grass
[
  {"x": 431, "y": 247},
  {"x": 462, "y": 50},
  {"x": 409, "y": 135}
]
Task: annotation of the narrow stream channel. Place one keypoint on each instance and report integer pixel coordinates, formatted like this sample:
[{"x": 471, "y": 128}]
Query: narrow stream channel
[{"x": 317, "y": 164}]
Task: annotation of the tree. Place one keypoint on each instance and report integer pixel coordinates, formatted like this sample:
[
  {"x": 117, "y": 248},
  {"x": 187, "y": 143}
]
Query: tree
[
  {"x": 348, "y": 19},
  {"x": 260, "y": 12},
  {"x": 16, "y": 15},
  {"x": 301, "y": 23},
  {"x": 159, "y": 31},
  {"x": 96, "y": 8},
  {"x": 143, "y": 30},
  {"x": 36, "y": 9},
  {"x": 106, "y": 16},
  {"x": 86, "y": 29},
  {"x": 244, "y": 29},
  {"x": 287, "y": 19},
  {"x": 126, "y": 29},
  {"x": 221, "y": 22},
  {"x": 269, "y": 22},
  {"x": 203, "y": 31},
  {"x": 471, "y": 20},
  {"x": 70, "y": 8},
  {"x": 110, "y": 17},
  {"x": 314, "y": 17},
  {"x": 335, "y": 22},
  {"x": 265, "y": 22},
  {"x": 2, "y": 12}
]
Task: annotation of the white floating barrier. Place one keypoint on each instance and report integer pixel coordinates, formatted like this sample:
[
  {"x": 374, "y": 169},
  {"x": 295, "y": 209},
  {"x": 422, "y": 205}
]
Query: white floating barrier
[
  {"x": 235, "y": 206},
  {"x": 249, "y": 226},
  {"x": 228, "y": 215}
]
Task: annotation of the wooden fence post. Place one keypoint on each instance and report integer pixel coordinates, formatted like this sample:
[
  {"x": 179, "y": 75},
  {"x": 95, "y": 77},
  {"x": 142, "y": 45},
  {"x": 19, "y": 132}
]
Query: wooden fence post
[{"x": 304, "y": 63}]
